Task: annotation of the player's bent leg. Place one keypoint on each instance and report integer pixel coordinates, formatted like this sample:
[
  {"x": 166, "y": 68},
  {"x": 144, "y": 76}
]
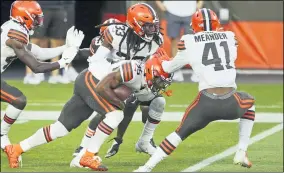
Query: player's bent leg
[
  {"x": 193, "y": 120},
  {"x": 74, "y": 112},
  {"x": 145, "y": 115},
  {"x": 90, "y": 131},
  {"x": 130, "y": 107},
  {"x": 17, "y": 102},
  {"x": 105, "y": 128},
  {"x": 156, "y": 110},
  {"x": 246, "y": 104}
]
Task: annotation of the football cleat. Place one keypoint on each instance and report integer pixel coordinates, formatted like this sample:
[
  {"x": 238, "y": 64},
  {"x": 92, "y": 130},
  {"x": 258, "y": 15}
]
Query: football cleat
[
  {"x": 92, "y": 162},
  {"x": 114, "y": 147},
  {"x": 14, "y": 155},
  {"x": 77, "y": 151},
  {"x": 143, "y": 169},
  {"x": 242, "y": 159},
  {"x": 145, "y": 147},
  {"x": 75, "y": 163}
]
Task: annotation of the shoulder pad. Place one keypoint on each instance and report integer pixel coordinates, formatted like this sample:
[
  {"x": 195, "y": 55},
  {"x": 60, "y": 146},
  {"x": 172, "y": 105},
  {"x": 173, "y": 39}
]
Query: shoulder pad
[{"x": 114, "y": 33}]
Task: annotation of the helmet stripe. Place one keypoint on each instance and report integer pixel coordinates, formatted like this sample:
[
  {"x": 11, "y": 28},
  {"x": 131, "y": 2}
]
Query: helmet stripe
[
  {"x": 205, "y": 19},
  {"x": 209, "y": 19},
  {"x": 153, "y": 12}
]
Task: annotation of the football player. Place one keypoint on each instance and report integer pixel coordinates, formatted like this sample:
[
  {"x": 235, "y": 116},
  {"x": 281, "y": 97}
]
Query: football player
[
  {"x": 152, "y": 108},
  {"x": 211, "y": 52},
  {"x": 143, "y": 39},
  {"x": 25, "y": 16},
  {"x": 149, "y": 78}
]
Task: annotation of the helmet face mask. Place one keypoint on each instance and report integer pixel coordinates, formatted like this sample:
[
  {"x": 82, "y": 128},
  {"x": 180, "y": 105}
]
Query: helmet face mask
[
  {"x": 38, "y": 21},
  {"x": 159, "y": 83},
  {"x": 149, "y": 30}
]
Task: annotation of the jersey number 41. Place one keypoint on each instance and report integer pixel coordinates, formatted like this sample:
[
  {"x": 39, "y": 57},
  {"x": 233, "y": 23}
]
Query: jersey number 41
[{"x": 216, "y": 59}]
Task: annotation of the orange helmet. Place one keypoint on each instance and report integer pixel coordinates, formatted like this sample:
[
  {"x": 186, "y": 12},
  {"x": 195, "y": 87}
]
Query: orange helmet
[
  {"x": 28, "y": 13},
  {"x": 143, "y": 19},
  {"x": 157, "y": 79},
  {"x": 111, "y": 20},
  {"x": 205, "y": 20}
]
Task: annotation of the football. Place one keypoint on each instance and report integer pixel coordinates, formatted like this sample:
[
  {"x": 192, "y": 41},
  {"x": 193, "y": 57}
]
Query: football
[{"x": 122, "y": 92}]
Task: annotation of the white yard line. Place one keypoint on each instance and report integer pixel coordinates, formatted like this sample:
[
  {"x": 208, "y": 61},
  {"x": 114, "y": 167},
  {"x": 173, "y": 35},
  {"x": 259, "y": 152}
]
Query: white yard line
[
  {"x": 258, "y": 106},
  {"x": 167, "y": 116},
  {"x": 232, "y": 150}
]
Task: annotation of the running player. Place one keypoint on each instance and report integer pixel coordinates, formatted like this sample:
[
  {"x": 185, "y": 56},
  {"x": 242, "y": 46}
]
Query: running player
[{"x": 211, "y": 52}]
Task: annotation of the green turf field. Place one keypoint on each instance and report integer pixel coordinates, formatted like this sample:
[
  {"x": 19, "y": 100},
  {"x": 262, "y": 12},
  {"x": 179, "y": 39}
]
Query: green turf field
[
  {"x": 269, "y": 97},
  {"x": 266, "y": 155}
]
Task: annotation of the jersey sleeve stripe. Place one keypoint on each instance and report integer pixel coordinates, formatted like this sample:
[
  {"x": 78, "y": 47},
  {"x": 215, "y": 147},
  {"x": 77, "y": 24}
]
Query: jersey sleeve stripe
[
  {"x": 108, "y": 36},
  {"x": 18, "y": 32},
  {"x": 127, "y": 72},
  {"x": 130, "y": 71},
  {"x": 125, "y": 76},
  {"x": 18, "y": 35},
  {"x": 181, "y": 45}
]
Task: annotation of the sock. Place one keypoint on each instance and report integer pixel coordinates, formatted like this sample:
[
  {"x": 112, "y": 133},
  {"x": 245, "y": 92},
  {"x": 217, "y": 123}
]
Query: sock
[
  {"x": 10, "y": 117},
  {"x": 105, "y": 128},
  {"x": 87, "y": 137},
  {"x": 245, "y": 128},
  {"x": 102, "y": 133},
  {"x": 168, "y": 145},
  {"x": 149, "y": 129},
  {"x": 40, "y": 137}
]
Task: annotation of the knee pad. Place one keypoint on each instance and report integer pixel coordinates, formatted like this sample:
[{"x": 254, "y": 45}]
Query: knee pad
[
  {"x": 113, "y": 118},
  {"x": 156, "y": 108},
  {"x": 58, "y": 130},
  {"x": 20, "y": 102}
]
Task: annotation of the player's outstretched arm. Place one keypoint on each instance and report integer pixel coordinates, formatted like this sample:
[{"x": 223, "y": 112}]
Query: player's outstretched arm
[
  {"x": 106, "y": 87},
  {"x": 74, "y": 38},
  {"x": 36, "y": 66}
]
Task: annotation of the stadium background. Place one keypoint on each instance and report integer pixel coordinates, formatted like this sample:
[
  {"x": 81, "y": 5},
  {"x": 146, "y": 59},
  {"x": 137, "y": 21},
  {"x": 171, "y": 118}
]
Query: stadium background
[{"x": 259, "y": 28}]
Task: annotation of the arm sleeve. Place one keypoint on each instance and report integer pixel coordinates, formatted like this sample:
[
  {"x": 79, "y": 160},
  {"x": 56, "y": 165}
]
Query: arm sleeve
[
  {"x": 102, "y": 52},
  {"x": 178, "y": 61},
  {"x": 46, "y": 53}
]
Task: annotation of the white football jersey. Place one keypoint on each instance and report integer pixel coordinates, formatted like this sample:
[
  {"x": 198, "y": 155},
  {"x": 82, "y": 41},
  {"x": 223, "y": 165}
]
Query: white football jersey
[
  {"x": 132, "y": 74},
  {"x": 211, "y": 55},
  {"x": 14, "y": 30},
  {"x": 114, "y": 34}
]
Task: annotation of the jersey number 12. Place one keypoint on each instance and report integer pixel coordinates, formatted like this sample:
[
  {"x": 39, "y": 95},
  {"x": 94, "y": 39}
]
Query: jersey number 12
[{"x": 216, "y": 59}]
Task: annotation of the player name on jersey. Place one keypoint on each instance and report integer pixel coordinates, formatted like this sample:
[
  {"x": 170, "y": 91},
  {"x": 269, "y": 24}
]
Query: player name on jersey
[{"x": 210, "y": 37}]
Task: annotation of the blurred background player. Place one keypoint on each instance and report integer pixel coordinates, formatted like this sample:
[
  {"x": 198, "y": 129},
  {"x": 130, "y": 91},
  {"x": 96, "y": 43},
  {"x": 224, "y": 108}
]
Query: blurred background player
[
  {"x": 178, "y": 16},
  {"x": 212, "y": 53},
  {"x": 58, "y": 17}
]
